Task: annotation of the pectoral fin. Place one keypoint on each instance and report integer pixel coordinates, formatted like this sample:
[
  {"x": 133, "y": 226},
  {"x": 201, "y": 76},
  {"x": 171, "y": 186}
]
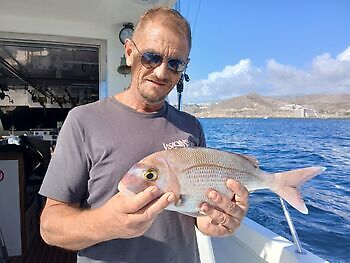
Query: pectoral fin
[{"x": 181, "y": 200}]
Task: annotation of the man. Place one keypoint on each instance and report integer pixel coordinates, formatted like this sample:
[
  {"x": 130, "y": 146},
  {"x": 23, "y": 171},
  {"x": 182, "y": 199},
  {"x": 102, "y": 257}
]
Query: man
[{"x": 99, "y": 142}]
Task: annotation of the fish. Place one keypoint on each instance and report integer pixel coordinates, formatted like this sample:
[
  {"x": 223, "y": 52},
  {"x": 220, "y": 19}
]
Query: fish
[{"x": 191, "y": 172}]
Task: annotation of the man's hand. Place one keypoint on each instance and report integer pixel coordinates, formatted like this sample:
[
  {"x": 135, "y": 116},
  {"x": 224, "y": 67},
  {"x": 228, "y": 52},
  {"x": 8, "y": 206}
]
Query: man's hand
[
  {"x": 228, "y": 214},
  {"x": 67, "y": 225},
  {"x": 133, "y": 215}
]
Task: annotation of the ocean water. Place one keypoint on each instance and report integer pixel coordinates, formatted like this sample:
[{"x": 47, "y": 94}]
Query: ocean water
[{"x": 285, "y": 144}]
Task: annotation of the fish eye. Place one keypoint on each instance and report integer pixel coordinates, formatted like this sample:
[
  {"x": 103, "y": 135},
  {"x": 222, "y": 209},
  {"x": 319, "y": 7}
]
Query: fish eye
[{"x": 151, "y": 175}]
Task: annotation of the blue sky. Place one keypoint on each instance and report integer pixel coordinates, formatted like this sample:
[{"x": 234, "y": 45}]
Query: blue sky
[{"x": 270, "y": 47}]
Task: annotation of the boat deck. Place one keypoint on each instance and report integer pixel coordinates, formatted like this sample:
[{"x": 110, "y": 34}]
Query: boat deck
[{"x": 39, "y": 252}]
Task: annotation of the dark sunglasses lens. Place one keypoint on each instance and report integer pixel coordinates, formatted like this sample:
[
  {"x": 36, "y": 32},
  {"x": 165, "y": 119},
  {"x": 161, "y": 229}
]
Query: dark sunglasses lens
[
  {"x": 176, "y": 65},
  {"x": 151, "y": 60}
]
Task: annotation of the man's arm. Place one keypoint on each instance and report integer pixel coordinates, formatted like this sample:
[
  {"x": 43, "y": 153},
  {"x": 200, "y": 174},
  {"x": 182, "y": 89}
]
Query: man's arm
[
  {"x": 68, "y": 226},
  {"x": 225, "y": 221}
]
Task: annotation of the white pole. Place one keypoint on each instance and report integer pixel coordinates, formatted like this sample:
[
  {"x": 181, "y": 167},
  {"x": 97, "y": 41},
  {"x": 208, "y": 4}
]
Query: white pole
[{"x": 292, "y": 228}]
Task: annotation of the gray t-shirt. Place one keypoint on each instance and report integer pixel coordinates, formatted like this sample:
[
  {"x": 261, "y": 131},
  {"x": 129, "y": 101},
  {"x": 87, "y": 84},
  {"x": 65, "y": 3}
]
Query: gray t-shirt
[{"x": 97, "y": 145}]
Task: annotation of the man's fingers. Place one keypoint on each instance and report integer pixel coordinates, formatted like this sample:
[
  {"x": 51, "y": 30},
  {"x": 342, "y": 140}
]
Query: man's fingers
[
  {"x": 140, "y": 200},
  {"x": 220, "y": 218},
  {"x": 159, "y": 205},
  {"x": 217, "y": 217},
  {"x": 218, "y": 223},
  {"x": 240, "y": 193},
  {"x": 223, "y": 203},
  {"x": 225, "y": 214}
]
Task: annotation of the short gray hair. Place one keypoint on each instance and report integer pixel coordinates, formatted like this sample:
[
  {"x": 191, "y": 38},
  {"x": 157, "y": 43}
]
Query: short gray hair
[{"x": 168, "y": 17}]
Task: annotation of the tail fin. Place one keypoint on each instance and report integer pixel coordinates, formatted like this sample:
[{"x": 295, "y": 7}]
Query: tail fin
[{"x": 286, "y": 184}]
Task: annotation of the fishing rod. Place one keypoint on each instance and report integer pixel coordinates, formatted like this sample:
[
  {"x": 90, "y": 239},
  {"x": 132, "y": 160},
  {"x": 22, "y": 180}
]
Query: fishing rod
[{"x": 44, "y": 91}]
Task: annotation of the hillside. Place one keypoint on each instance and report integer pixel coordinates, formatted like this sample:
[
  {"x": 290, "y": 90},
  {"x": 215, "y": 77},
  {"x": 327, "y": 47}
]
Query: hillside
[{"x": 257, "y": 106}]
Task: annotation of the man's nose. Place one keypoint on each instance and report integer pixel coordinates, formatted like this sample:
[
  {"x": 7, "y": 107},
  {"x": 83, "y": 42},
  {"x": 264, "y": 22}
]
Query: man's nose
[{"x": 162, "y": 70}]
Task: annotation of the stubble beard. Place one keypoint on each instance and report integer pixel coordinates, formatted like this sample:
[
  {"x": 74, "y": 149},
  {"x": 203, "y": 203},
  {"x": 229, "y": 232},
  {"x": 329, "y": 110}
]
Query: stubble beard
[{"x": 152, "y": 98}]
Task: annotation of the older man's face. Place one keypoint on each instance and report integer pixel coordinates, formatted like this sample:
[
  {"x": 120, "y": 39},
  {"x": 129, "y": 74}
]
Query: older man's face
[{"x": 154, "y": 84}]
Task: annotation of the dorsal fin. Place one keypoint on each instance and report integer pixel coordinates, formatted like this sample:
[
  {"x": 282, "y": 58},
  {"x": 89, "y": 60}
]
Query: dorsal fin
[{"x": 251, "y": 159}]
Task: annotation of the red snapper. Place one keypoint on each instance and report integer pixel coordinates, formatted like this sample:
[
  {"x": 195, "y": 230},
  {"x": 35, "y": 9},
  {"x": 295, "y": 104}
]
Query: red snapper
[{"x": 191, "y": 172}]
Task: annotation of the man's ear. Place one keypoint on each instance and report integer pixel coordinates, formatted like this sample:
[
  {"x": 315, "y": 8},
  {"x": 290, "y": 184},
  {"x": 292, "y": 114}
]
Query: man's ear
[{"x": 128, "y": 52}]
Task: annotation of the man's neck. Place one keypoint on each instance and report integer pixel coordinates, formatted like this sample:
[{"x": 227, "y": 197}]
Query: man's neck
[{"x": 128, "y": 99}]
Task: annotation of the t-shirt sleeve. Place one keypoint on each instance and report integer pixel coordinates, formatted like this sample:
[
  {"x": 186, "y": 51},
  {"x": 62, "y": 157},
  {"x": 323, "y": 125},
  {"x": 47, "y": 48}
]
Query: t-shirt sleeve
[{"x": 67, "y": 174}]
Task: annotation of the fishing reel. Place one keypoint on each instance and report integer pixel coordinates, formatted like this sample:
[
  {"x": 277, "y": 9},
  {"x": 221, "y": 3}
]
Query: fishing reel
[
  {"x": 180, "y": 83},
  {"x": 180, "y": 88}
]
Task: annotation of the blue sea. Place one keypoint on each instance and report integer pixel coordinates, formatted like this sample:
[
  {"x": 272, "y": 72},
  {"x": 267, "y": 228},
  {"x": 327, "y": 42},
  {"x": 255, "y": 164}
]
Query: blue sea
[{"x": 285, "y": 144}]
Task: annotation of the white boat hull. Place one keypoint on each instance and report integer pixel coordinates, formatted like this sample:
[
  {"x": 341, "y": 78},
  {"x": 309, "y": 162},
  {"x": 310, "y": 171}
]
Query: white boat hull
[{"x": 252, "y": 243}]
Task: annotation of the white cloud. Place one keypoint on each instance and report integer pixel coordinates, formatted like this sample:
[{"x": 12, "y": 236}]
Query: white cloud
[
  {"x": 332, "y": 73},
  {"x": 325, "y": 74},
  {"x": 345, "y": 55}
]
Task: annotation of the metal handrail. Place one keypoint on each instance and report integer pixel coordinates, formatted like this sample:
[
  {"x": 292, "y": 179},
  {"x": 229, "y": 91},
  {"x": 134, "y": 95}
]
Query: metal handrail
[{"x": 291, "y": 227}]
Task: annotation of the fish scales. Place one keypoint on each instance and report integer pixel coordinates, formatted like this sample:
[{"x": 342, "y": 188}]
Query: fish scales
[{"x": 204, "y": 163}]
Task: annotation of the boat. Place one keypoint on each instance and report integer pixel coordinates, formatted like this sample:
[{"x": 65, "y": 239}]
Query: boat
[
  {"x": 252, "y": 242},
  {"x": 55, "y": 55}
]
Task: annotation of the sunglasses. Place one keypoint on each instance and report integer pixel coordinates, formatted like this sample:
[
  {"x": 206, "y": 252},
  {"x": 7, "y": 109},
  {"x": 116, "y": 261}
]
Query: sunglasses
[{"x": 151, "y": 60}]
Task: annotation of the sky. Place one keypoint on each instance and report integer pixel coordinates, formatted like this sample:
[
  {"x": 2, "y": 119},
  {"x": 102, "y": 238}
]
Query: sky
[{"x": 274, "y": 48}]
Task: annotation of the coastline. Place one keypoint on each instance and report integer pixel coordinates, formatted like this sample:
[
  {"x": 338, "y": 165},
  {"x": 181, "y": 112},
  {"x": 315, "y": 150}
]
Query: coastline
[{"x": 256, "y": 106}]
